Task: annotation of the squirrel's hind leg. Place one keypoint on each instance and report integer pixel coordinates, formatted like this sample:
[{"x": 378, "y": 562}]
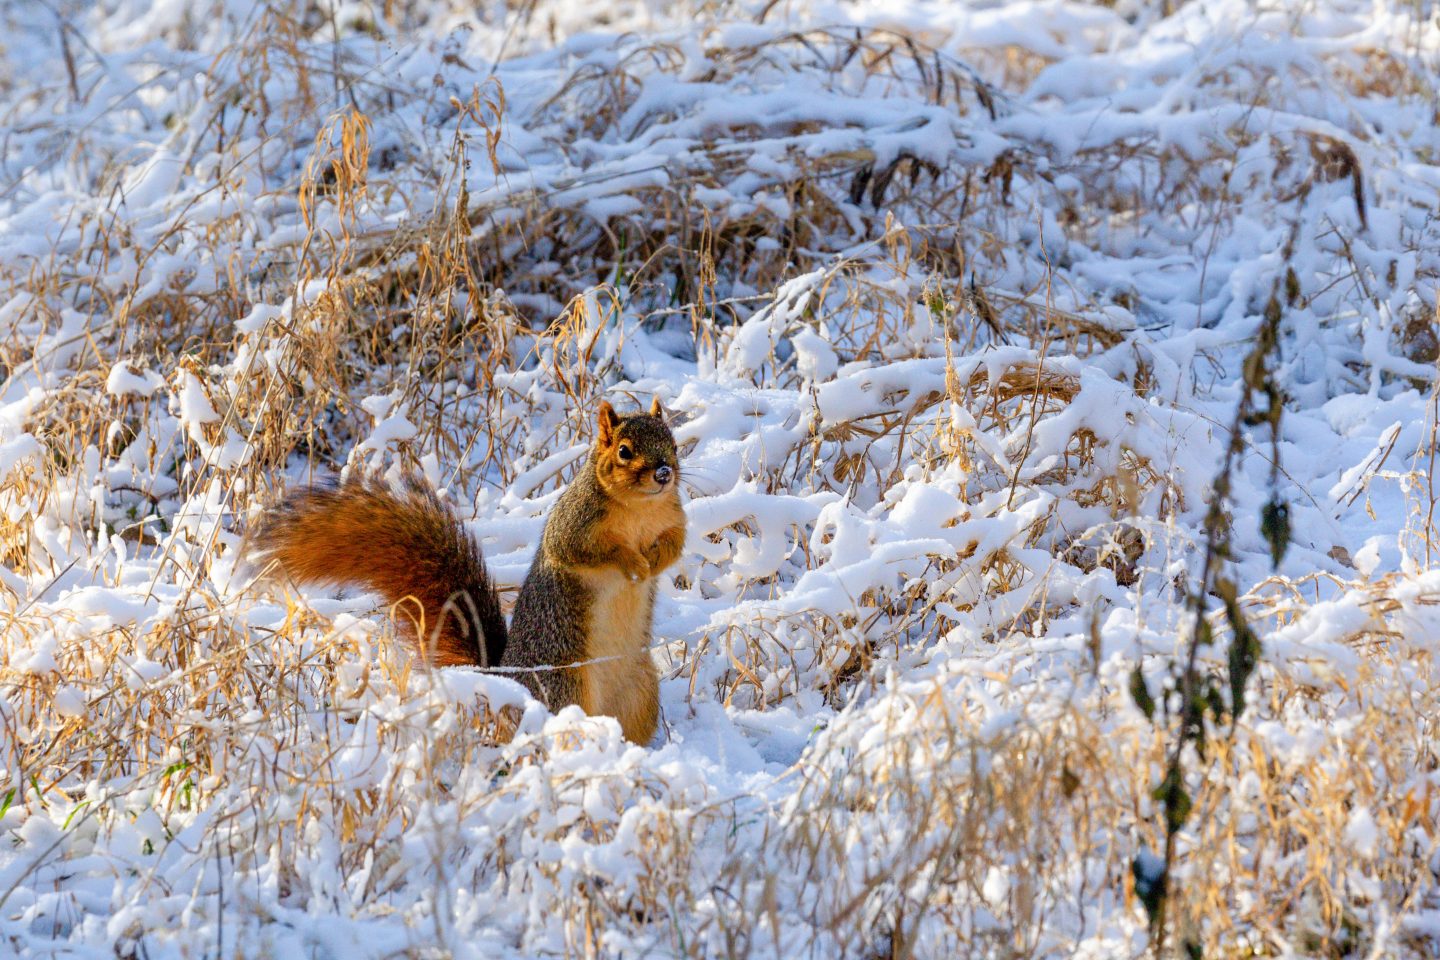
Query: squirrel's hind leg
[{"x": 639, "y": 714}]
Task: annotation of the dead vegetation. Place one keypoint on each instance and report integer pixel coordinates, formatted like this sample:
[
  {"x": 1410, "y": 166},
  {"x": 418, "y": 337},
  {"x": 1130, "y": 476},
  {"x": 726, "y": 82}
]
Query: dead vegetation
[{"x": 965, "y": 797}]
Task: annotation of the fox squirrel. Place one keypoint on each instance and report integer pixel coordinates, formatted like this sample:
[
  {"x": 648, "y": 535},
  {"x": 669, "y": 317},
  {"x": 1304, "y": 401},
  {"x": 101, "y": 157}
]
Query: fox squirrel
[{"x": 589, "y": 595}]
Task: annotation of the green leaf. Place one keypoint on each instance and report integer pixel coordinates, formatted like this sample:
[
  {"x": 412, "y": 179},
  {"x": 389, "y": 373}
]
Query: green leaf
[
  {"x": 1171, "y": 793},
  {"x": 1204, "y": 634},
  {"x": 1214, "y": 701},
  {"x": 1275, "y": 526},
  {"x": 1242, "y": 657},
  {"x": 1192, "y": 712},
  {"x": 935, "y": 303},
  {"x": 1141, "y": 693},
  {"x": 71, "y": 815},
  {"x": 1151, "y": 883}
]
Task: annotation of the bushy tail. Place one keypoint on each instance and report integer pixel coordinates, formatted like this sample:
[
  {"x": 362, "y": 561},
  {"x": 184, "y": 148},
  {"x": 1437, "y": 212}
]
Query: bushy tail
[{"x": 404, "y": 545}]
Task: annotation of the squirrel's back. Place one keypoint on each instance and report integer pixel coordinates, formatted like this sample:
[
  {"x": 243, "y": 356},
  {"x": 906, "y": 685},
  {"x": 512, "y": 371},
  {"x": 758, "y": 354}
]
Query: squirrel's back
[{"x": 403, "y": 544}]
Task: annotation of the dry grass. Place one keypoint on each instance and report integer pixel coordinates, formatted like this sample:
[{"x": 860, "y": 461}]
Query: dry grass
[{"x": 982, "y": 780}]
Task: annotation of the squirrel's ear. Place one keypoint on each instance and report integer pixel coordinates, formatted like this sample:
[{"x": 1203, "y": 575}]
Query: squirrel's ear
[
  {"x": 606, "y": 422},
  {"x": 656, "y": 411}
]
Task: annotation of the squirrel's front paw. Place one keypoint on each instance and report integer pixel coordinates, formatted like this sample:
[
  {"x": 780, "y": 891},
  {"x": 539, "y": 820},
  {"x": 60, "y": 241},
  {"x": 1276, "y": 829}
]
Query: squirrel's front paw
[
  {"x": 635, "y": 566},
  {"x": 665, "y": 550}
]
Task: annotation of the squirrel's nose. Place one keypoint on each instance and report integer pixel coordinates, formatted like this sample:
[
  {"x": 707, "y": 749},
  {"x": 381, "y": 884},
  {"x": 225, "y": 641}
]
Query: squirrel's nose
[{"x": 663, "y": 474}]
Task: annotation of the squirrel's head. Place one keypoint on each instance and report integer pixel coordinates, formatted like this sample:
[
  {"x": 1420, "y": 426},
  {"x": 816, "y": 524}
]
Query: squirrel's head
[{"x": 635, "y": 454}]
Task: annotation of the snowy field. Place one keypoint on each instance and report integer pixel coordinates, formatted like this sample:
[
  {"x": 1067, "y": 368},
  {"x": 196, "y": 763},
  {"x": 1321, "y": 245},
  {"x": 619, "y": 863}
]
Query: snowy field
[{"x": 1009, "y": 344}]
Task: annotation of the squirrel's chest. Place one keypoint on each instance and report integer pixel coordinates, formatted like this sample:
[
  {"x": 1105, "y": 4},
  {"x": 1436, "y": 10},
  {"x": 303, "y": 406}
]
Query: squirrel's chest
[
  {"x": 639, "y": 527},
  {"x": 620, "y": 608}
]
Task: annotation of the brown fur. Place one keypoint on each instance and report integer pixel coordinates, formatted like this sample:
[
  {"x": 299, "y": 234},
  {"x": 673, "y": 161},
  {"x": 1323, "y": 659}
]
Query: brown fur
[
  {"x": 620, "y": 614},
  {"x": 612, "y": 531},
  {"x": 589, "y": 595},
  {"x": 405, "y": 546}
]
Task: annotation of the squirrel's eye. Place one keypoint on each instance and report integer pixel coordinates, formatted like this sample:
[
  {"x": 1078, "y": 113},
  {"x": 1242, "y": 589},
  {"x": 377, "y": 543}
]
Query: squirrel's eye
[{"x": 625, "y": 453}]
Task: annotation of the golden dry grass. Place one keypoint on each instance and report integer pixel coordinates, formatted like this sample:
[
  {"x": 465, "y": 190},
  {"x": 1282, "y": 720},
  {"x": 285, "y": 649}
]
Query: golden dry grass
[{"x": 981, "y": 782}]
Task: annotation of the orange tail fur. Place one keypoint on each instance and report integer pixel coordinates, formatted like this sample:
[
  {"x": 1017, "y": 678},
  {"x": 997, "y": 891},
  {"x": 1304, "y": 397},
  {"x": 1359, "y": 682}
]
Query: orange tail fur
[{"x": 404, "y": 545}]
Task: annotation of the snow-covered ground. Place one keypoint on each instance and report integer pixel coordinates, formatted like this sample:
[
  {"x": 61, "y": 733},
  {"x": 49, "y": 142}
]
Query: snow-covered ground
[{"x": 951, "y": 303}]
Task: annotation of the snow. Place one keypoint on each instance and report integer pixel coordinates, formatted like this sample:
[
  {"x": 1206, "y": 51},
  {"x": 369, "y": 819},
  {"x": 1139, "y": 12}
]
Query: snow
[
  {"x": 126, "y": 381},
  {"x": 947, "y": 303}
]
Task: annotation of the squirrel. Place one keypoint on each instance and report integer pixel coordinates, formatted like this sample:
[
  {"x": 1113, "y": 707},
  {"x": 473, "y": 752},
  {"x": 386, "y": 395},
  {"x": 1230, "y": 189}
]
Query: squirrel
[{"x": 586, "y": 606}]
